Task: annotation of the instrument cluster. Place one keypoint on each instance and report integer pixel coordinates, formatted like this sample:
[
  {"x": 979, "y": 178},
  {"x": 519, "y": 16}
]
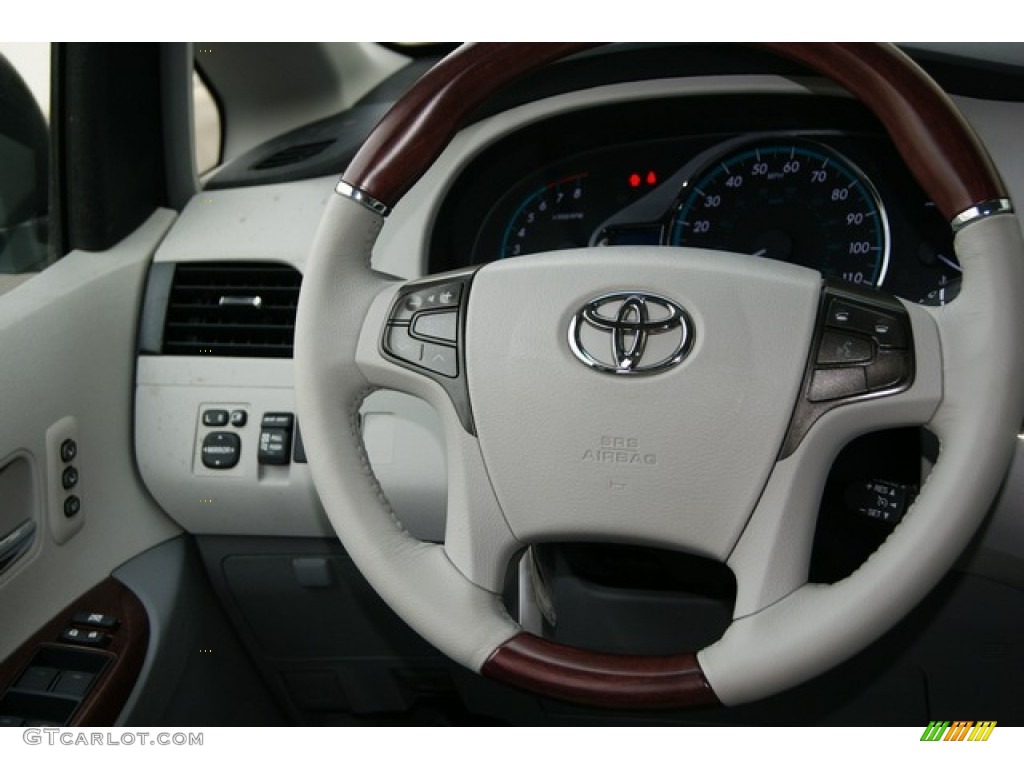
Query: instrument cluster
[{"x": 813, "y": 182}]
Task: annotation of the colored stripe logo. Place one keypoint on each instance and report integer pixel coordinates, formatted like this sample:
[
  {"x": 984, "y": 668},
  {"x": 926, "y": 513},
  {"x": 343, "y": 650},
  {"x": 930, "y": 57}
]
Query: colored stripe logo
[{"x": 959, "y": 730}]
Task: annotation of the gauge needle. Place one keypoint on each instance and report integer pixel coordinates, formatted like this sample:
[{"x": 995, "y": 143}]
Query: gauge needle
[
  {"x": 948, "y": 262},
  {"x": 763, "y": 251}
]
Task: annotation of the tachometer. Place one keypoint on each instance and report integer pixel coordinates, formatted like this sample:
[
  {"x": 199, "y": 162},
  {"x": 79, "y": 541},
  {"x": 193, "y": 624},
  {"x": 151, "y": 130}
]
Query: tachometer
[
  {"x": 550, "y": 218},
  {"x": 790, "y": 200}
]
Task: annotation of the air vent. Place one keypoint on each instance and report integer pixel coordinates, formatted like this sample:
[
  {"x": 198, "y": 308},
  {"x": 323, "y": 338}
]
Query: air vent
[
  {"x": 230, "y": 309},
  {"x": 292, "y": 155}
]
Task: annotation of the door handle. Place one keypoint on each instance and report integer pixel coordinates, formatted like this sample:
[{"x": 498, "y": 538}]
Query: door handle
[{"x": 16, "y": 543}]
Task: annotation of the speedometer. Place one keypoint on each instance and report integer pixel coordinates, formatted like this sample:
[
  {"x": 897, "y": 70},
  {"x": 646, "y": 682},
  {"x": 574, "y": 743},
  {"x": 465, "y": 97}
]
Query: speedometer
[{"x": 793, "y": 201}]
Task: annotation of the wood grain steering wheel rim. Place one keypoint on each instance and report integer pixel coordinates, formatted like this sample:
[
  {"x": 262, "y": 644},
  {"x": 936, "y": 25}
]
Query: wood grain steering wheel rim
[{"x": 940, "y": 149}]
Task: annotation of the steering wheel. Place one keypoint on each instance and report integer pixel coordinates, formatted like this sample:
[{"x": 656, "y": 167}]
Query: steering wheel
[{"x": 670, "y": 397}]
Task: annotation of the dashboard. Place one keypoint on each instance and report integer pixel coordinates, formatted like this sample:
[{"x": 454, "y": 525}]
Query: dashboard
[
  {"x": 813, "y": 183},
  {"x": 589, "y": 167},
  {"x": 770, "y": 165}
]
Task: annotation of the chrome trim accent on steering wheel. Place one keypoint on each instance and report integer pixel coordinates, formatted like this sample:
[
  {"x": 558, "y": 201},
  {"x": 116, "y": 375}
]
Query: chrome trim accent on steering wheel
[
  {"x": 367, "y": 201},
  {"x": 981, "y": 211}
]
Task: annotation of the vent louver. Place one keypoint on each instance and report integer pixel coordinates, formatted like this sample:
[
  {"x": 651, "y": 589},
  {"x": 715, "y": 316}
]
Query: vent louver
[
  {"x": 230, "y": 309},
  {"x": 292, "y": 155}
]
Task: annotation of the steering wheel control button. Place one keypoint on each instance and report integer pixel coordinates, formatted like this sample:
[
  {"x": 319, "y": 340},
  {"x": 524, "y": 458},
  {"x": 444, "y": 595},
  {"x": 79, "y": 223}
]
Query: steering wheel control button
[
  {"x": 215, "y": 418},
  {"x": 239, "y": 418},
  {"x": 890, "y": 369},
  {"x": 221, "y": 450},
  {"x": 72, "y": 506},
  {"x": 440, "y": 360},
  {"x": 442, "y": 326},
  {"x": 887, "y": 329},
  {"x": 69, "y": 478},
  {"x": 878, "y": 499},
  {"x": 403, "y": 346},
  {"x": 864, "y": 350},
  {"x": 423, "y": 333},
  {"x": 68, "y": 450},
  {"x": 843, "y": 349},
  {"x": 837, "y": 383},
  {"x": 444, "y": 296}
]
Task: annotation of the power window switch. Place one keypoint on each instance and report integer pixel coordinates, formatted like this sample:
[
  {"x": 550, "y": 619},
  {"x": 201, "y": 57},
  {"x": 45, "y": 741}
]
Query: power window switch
[
  {"x": 37, "y": 679},
  {"x": 98, "y": 620},
  {"x": 91, "y": 638},
  {"x": 73, "y": 684}
]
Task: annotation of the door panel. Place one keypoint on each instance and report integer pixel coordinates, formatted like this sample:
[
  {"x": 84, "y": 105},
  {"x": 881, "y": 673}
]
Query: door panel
[{"x": 67, "y": 351}]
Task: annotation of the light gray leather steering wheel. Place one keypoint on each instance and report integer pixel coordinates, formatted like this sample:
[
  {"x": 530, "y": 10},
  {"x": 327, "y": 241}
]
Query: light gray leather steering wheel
[{"x": 725, "y": 470}]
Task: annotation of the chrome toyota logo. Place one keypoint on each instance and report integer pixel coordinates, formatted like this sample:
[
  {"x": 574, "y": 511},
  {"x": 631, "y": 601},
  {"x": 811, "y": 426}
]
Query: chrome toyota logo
[{"x": 630, "y": 332}]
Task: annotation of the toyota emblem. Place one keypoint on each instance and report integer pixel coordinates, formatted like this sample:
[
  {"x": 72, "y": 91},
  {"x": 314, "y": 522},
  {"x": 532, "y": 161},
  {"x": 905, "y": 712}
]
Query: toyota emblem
[{"x": 631, "y": 333}]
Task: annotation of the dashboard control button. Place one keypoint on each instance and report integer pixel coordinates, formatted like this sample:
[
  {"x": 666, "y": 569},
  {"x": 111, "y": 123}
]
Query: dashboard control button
[
  {"x": 69, "y": 478},
  {"x": 278, "y": 420},
  {"x": 68, "y": 450},
  {"x": 836, "y": 383},
  {"x": 72, "y": 506},
  {"x": 215, "y": 418},
  {"x": 99, "y": 620},
  {"x": 437, "y": 325},
  {"x": 275, "y": 446},
  {"x": 239, "y": 418},
  {"x": 889, "y": 369},
  {"x": 843, "y": 349},
  {"x": 221, "y": 450}
]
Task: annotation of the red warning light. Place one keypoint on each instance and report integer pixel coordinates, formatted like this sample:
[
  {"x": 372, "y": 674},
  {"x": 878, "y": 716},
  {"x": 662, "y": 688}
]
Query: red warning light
[
  {"x": 652, "y": 178},
  {"x": 634, "y": 180}
]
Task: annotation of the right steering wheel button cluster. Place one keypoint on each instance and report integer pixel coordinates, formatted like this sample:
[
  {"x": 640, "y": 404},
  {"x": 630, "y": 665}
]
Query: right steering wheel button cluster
[{"x": 864, "y": 349}]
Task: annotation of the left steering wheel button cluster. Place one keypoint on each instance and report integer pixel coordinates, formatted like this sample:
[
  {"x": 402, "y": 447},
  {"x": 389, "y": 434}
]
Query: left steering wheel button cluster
[{"x": 423, "y": 328}]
